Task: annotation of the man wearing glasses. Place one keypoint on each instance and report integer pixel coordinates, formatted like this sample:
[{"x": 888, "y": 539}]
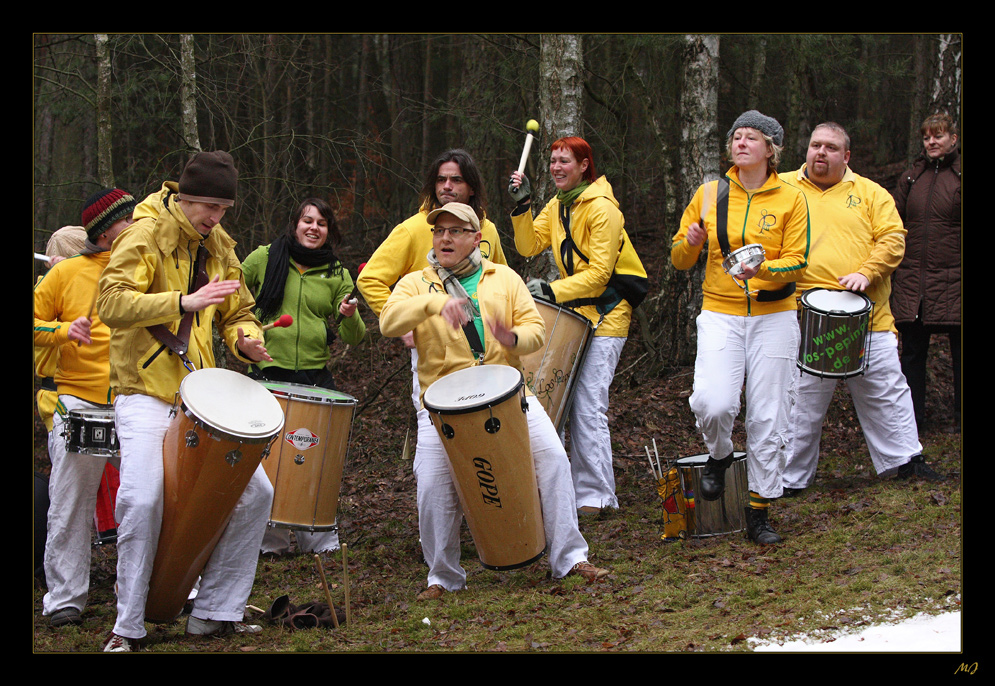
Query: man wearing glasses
[{"x": 463, "y": 309}]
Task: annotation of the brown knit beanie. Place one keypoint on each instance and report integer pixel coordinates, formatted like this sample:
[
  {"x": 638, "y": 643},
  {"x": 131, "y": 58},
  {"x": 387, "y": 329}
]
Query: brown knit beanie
[
  {"x": 209, "y": 177},
  {"x": 105, "y": 207}
]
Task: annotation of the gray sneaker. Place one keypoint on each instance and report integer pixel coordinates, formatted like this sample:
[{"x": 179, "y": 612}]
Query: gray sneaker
[{"x": 209, "y": 627}]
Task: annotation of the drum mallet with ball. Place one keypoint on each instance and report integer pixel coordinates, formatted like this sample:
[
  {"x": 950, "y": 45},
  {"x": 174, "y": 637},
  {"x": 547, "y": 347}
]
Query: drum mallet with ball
[{"x": 530, "y": 126}]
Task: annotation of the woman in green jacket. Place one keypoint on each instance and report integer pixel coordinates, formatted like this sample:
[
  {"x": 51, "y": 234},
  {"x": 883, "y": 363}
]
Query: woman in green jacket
[{"x": 298, "y": 274}]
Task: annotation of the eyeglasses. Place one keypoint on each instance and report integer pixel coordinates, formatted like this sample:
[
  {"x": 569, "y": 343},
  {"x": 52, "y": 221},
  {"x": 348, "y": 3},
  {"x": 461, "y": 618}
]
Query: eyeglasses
[{"x": 454, "y": 231}]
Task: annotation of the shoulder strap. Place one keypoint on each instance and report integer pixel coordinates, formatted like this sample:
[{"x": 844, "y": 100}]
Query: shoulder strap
[{"x": 722, "y": 215}]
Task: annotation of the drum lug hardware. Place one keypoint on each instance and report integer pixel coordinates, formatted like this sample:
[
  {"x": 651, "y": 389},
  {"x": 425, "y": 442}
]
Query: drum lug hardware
[
  {"x": 192, "y": 439},
  {"x": 233, "y": 457},
  {"x": 492, "y": 425},
  {"x": 298, "y": 459},
  {"x": 447, "y": 430}
]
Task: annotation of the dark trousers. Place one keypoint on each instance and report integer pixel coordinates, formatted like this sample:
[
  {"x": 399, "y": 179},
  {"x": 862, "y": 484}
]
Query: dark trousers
[{"x": 915, "y": 346}]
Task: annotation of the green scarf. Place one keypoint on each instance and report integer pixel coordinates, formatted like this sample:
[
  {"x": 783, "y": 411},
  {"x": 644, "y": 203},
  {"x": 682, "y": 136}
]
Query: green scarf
[{"x": 566, "y": 198}]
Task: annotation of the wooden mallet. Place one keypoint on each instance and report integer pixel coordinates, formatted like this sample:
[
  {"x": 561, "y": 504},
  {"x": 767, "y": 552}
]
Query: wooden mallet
[{"x": 283, "y": 321}]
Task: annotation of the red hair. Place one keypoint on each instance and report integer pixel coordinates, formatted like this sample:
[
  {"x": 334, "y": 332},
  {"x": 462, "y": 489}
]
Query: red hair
[{"x": 581, "y": 150}]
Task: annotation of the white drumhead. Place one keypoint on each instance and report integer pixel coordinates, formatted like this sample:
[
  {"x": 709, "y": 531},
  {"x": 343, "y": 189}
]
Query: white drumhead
[
  {"x": 472, "y": 387},
  {"x": 826, "y": 300},
  {"x": 700, "y": 460},
  {"x": 231, "y": 402}
]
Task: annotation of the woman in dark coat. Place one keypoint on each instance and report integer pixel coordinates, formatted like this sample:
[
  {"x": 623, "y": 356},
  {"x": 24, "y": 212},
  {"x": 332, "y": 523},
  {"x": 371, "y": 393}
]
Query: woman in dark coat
[{"x": 925, "y": 297}]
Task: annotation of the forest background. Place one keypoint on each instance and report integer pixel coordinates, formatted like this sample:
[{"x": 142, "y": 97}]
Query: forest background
[{"x": 357, "y": 119}]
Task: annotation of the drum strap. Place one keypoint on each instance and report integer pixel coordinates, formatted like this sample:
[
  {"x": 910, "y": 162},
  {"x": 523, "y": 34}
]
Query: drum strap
[
  {"x": 180, "y": 341},
  {"x": 722, "y": 231}
]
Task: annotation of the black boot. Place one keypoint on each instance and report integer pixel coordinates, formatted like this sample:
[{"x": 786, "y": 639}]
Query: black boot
[
  {"x": 916, "y": 468},
  {"x": 758, "y": 529},
  {"x": 713, "y": 477}
]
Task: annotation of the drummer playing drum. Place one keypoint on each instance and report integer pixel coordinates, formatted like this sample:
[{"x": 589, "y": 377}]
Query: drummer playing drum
[
  {"x": 460, "y": 294},
  {"x": 857, "y": 241},
  {"x": 147, "y": 282}
]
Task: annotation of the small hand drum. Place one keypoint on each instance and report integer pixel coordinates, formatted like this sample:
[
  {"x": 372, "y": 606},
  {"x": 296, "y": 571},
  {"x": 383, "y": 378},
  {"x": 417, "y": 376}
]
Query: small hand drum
[{"x": 744, "y": 258}]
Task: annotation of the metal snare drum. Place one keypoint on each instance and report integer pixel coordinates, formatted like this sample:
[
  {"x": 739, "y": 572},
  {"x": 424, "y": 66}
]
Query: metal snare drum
[
  {"x": 747, "y": 257},
  {"x": 835, "y": 326}
]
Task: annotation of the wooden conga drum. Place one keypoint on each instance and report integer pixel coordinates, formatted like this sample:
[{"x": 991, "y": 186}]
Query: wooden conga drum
[
  {"x": 223, "y": 426},
  {"x": 305, "y": 465},
  {"x": 551, "y": 371},
  {"x": 480, "y": 416}
]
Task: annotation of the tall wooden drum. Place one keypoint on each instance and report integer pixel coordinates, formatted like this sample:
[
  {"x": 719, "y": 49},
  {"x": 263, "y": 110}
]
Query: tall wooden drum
[
  {"x": 480, "y": 416},
  {"x": 305, "y": 465},
  {"x": 223, "y": 427}
]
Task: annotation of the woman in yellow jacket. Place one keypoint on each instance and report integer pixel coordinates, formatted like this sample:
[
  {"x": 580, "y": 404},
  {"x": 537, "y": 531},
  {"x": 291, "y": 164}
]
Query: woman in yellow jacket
[
  {"x": 748, "y": 325},
  {"x": 596, "y": 260}
]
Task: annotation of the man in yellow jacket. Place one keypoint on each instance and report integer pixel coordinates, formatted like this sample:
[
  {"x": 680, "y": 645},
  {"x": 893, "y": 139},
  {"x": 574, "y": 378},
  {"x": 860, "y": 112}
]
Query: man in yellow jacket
[
  {"x": 458, "y": 288},
  {"x": 65, "y": 322},
  {"x": 147, "y": 282},
  {"x": 858, "y": 240}
]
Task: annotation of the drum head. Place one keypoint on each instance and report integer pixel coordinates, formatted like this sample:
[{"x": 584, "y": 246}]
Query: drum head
[
  {"x": 828, "y": 301},
  {"x": 468, "y": 389},
  {"x": 700, "y": 460},
  {"x": 232, "y": 402},
  {"x": 312, "y": 393}
]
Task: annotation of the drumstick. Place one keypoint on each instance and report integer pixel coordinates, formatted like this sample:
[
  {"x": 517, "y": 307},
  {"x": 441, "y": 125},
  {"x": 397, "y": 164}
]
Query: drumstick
[
  {"x": 705, "y": 204},
  {"x": 345, "y": 579},
  {"x": 650, "y": 459},
  {"x": 352, "y": 296},
  {"x": 283, "y": 321},
  {"x": 531, "y": 125},
  {"x": 324, "y": 583},
  {"x": 39, "y": 256}
]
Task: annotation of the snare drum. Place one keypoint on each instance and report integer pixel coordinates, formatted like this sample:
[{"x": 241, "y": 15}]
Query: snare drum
[
  {"x": 91, "y": 432},
  {"x": 223, "y": 426},
  {"x": 747, "y": 257},
  {"x": 834, "y": 333},
  {"x": 305, "y": 465},
  {"x": 715, "y": 517},
  {"x": 551, "y": 371},
  {"x": 479, "y": 413}
]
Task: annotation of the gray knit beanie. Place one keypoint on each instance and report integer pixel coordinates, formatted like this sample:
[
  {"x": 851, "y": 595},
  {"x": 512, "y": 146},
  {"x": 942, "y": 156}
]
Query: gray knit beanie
[{"x": 760, "y": 122}]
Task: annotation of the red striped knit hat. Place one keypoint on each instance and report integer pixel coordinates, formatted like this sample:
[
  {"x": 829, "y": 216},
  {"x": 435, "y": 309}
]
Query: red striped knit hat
[{"x": 105, "y": 207}]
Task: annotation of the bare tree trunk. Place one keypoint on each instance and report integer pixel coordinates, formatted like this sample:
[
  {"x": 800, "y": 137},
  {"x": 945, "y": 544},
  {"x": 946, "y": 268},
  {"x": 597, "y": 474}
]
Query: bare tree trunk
[
  {"x": 105, "y": 167},
  {"x": 561, "y": 99},
  {"x": 188, "y": 92},
  {"x": 362, "y": 130},
  {"x": 946, "y": 91},
  {"x": 680, "y": 291}
]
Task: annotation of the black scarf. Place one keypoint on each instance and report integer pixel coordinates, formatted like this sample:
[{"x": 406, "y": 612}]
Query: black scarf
[{"x": 269, "y": 300}]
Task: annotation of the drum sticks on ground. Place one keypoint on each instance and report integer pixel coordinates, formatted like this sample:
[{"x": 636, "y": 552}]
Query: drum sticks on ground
[
  {"x": 328, "y": 594},
  {"x": 657, "y": 470}
]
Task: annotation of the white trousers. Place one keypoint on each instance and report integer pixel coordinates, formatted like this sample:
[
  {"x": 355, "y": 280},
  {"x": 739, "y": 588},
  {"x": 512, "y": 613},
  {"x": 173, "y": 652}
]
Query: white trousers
[
  {"x": 440, "y": 514},
  {"x": 762, "y": 350},
  {"x": 72, "y": 494},
  {"x": 226, "y": 580},
  {"x": 590, "y": 438},
  {"x": 277, "y": 540},
  {"x": 883, "y": 402}
]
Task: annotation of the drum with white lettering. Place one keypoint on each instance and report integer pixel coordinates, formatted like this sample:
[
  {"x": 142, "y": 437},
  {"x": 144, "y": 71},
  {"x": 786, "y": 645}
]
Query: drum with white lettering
[
  {"x": 305, "y": 465},
  {"x": 834, "y": 333},
  {"x": 223, "y": 426},
  {"x": 479, "y": 413}
]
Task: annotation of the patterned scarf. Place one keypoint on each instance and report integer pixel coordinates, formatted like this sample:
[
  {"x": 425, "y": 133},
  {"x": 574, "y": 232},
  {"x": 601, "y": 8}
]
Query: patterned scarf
[{"x": 450, "y": 278}]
